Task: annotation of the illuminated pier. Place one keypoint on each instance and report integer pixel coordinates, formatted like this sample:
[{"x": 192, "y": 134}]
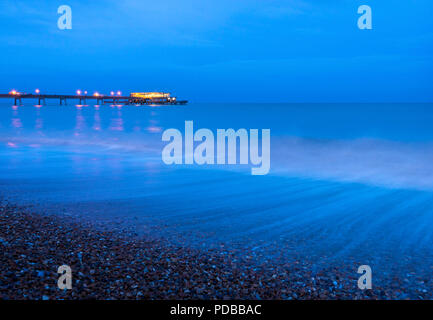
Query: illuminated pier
[{"x": 137, "y": 98}]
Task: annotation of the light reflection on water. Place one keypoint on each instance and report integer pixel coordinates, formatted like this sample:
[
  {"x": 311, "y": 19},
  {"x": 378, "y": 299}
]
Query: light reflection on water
[{"x": 346, "y": 180}]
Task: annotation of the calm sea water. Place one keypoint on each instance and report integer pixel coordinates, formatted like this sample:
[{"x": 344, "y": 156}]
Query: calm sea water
[{"x": 346, "y": 181}]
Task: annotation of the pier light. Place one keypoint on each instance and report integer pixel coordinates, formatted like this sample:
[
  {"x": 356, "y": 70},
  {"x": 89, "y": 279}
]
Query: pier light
[
  {"x": 37, "y": 91},
  {"x": 78, "y": 92},
  {"x": 119, "y": 93},
  {"x": 14, "y": 92},
  {"x": 112, "y": 93},
  {"x": 85, "y": 92},
  {"x": 96, "y": 94}
]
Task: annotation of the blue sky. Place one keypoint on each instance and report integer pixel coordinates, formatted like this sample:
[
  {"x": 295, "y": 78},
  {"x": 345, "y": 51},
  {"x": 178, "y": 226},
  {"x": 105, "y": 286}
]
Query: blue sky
[{"x": 252, "y": 51}]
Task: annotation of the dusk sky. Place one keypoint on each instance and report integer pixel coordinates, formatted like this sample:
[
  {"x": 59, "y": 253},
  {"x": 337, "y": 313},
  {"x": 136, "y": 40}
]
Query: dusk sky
[{"x": 222, "y": 51}]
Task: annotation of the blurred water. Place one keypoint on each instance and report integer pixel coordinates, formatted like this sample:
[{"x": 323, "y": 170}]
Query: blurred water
[{"x": 346, "y": 180}]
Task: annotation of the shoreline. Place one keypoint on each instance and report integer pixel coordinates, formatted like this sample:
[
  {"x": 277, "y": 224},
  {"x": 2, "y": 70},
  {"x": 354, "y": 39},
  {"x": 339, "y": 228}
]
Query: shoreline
[{"x": 117, "y": 264}]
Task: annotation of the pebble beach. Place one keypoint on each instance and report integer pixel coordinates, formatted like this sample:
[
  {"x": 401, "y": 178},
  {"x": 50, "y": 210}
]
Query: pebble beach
[{"x": 118, "y": 264}]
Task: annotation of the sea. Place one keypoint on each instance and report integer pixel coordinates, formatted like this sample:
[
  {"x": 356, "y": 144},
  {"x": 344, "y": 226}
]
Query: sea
[{"x": 349, "y": 184}]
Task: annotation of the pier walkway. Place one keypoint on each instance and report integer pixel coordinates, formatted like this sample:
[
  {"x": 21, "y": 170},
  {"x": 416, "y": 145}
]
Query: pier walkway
[{"x": 82, "y": 99}]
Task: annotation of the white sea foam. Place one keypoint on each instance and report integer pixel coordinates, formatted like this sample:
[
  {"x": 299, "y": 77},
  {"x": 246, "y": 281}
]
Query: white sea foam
[{"x": 371, "y": 161}]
